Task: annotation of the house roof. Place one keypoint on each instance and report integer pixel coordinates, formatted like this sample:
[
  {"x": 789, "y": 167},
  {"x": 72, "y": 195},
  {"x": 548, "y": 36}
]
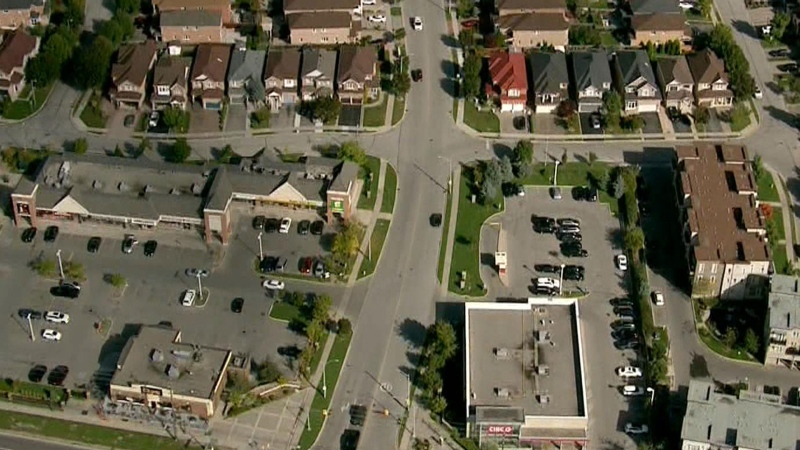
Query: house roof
[
  {"x": 191, "y": 18},
  {"x": 20, "y": 4},
  {"x": 534, "y": 22},
  {"x": 169, "y": 5},
  {"x": 283, "y": 64},
  {"x": 706, "y": 67},
  {"x": 654, "y": 6},
  {"x": 658, "y": 22},
  {"x": 591, "y": 69},
  {"x": 635, "y": 65},
  {"x": 133, "y": 62},
  {"x": 171, "y": 71},
  {"x": 531, "y": 5},
  {"x": 321, "y": 60},
  {"x": 14, "y": 50},
  {"x": 312, "y": 20},
  {"x": 507, "y": 71},
  {"x": 548, "y": 71},
  {"x": 356, "y": 63},
  {"x": 674, "y": 69},
  {"x": 247, "y": 64},
  {"x": 211, "y": 61},
  {"x": 290, "y": 6}
]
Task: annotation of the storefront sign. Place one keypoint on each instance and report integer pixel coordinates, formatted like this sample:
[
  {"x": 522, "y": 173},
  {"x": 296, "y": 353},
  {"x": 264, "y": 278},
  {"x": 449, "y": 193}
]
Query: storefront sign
[
  {"x": 499, "y": 430},
  {"x": 337, "y": 206}
]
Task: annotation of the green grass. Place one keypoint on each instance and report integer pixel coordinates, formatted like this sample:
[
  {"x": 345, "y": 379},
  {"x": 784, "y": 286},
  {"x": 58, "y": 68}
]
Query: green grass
[
  {"x": 739, "y": 122},
  {"x": 569, "y": 174},
  {"x": 779, "y": 258},
  {"x": 396, "y": 11},
  {"x": 318, "y": 354},
  {"x": 389, "y": 190},
  {"x": 770, "y": 44},
  {"x": 376, "y": 243},
  {"x": 613, "y": 204},
  {"x": 608, "y": 40},
  {"x": 86, "y": 434},
  {"x": 777, "y": 220},
  {"x": 285, "y": 312},
  {"x": 92, "y": 116},
  {"x": 767, "y": 191},
  {"x": 373, "y": 166},
  {"x": 718, "y": 347},
  {"x": 22, "y": 109},
  {"x": 33, "y": 391},
  {"x": 469, "y": 220},
  {"x": 332, "y": 370},
  {"x": 375, "y": 115},
  {"x": 480, "y": 121},
  {"x": 398, "y": 109},
  {"x": 443, "y": 244}
]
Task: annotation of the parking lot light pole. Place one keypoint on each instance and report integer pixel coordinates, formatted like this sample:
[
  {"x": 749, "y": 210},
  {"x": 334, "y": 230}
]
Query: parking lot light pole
[
  {"x": 325, "y": 378},
  {"x": 260, "y": 248},
  {"x": 199, "y": 285},
  {"x": 555, "y": 174},
  {"x": 30, "y": 326},
  {"x": 60, "y": 264},
  {"x": 652, "y": 395},
  {"x": 561, "y": 278}
]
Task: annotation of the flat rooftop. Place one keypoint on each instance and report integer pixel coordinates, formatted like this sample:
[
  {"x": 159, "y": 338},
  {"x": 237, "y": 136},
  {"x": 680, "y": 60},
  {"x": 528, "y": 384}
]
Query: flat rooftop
[
  {"x": 157, "y": 357},
  {"x": 784, "y": 302},
  {"x": 505, "y": 348}
]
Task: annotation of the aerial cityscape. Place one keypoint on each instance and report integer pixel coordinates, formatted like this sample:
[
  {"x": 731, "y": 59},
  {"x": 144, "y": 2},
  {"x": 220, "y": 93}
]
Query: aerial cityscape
[{"x": 400, "y": 224}]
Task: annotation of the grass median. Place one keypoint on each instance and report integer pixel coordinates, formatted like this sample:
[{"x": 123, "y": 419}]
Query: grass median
[
  {"x": 443, "y": 244},
  {"x": 389, "y": 190},
  {"x": 398, "y": 110}
]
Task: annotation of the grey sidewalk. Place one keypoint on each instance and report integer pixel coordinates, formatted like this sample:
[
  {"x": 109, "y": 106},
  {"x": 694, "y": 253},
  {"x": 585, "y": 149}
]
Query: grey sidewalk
[
  {"x": 451, "y": 232},
  {"x": 789, "y": 217}
]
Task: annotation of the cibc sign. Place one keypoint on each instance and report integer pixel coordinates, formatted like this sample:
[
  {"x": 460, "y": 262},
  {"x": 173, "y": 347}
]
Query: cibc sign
[{"x": 500, "y": 430}]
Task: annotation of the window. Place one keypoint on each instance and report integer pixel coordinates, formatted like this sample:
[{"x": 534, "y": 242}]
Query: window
[
  {"x": 606, "y": 85},
  {"x": 162, "y": 90},
  {"x": 700, "y": 268},
  {"x": 288, "y": 82},
  {"x": 324, "y": 39},
  {"x": 562, "y": 85},
  {"x": 630, "y": 105},
  {"x": 714, "y": 268}
]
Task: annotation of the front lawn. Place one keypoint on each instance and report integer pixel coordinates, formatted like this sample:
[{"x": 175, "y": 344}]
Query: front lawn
[
  {"x": 480, "y": 121},
  {"x": 375, "y": 115},
  {"x": 780, "y": 259},
  {"x": 24, "y": 107},
  {"x": 373, "y": 254},
  {"x": 777, "y": 222},
  {"x": 767, "y": 191},
  {"x": 389, "y": 190},
  {"x": 398, "y": 109},
  {"x": 92, "y": 114},
  {"x": 373, "y": 167},
  {"x": 718, "y": 347},
  {"x": 285, "y": 312}
]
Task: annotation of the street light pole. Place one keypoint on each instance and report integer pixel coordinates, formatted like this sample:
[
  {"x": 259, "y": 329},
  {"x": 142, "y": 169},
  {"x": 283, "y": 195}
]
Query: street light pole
[
  {"x": 260, "y": 248},
  {"x": 408, "y": 389},
  {"x": 60, "y": 264},
  {"x": 561, "y": 278},
  {"x": 449, "y": 174},
  {"x": 325, "y": 378},
  {"x": 652, "y": 395}
]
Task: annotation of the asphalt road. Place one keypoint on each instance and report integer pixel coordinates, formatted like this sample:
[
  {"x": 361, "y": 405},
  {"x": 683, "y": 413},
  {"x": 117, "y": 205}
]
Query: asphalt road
[{"x": 8, "y": 442}]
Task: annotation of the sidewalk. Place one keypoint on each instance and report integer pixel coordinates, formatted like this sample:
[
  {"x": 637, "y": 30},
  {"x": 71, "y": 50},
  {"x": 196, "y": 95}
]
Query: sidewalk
[
  {"x": 451, "y": 232},
  {"x": 787, "y": 214}
]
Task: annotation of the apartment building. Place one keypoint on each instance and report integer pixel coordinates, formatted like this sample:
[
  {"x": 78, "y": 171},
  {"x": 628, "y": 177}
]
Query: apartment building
[{"x": 782, "y": 331}]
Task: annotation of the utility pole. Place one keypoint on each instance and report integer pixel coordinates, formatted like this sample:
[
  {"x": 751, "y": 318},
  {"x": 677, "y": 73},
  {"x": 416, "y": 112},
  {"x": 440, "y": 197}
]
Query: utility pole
[
  {"x": 408, "y": 389},
  {"x": 325, "y": 378},
  {"x": 260, "y": 248},
  {"x": 560, "y": 278},
  {"x": 60, "y": 264}
]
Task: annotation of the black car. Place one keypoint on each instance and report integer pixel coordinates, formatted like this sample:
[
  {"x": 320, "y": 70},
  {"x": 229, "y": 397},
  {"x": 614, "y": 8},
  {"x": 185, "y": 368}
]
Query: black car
[
  {"x": 594, "y": 121},
  {"x": 51, "y": 233},
  {"x": 268, "y": 264},
  {"x": 574, "y": 274},
  {"x": 544, "y": 225},
  {"x": 547, "y": 268},
  {"x": 621, "y": 301},
  {"x": 623, "y": 335},
  {"x": 416, "y": 75},
  {"x": 512, "y": 190},
  {"x": 68, "y": 290},
  {"x": 317, "y": 227},
  {"x": 788, "y": 67},
  {"x": 58, "y": 375},
  {"x": 237, "y": 304},
  {"x": 541, "y": 290},
  {"x": 436, "y": 220},
  {"x": 303, "y": 227},
  {"x": 592, "y": 195},
  {"x": 569, "y": 237},
  {"x": 570, "y": 249},
  {"x": 94, "y": 244},
  {"x": 271, "y": 225},
  {"x": 150, "y": 248},
  {"x": 349, "y": 440},
  {"x": 626, "y": 345},
  {"x": 780, "y": 53},
  {"x": 37, "y": 372},
  {"x": 33, "y": 314},
  {"x": 258, "y": 222},
  {"x": 358, "y": 415},
  {"x": 29, "y": 235},
  {"x": 623, "y": 310}
]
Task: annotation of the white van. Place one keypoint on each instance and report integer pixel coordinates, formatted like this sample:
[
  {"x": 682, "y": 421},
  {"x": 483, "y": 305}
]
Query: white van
[{"x": 547, "y": 282}]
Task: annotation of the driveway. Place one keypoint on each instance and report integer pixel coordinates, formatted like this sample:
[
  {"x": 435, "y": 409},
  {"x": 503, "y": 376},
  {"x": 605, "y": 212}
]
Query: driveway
[
  {"x": 547, "y": 124},
  {"x": 237, "y": 119},
  {"x": 651, "y": 123},
  {"x": 204, "y": 120},
  {"x": 283, "y": 119},
  {"x": 714, "y": 125},
  {"x": 586, "y": 126},
  {"x": 681, "y": 125},
  {"x": 96, "y": 11},
  {"x": 350, "y": 116}
]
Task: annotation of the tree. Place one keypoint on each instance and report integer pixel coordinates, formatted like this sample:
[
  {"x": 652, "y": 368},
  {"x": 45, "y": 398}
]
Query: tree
[
  {"x": 178, "y": 152},
  {"x": 322, "y": 307},
  {"x": 612, "y": 103},
  {"x": 466, "y": 37},
  {"x": 506, "y": 169},
  {"x": 758, "y": 167},
  {"x": 566, "y": 109},
  {"x": 634, "y": 239},
  {"x": 226, "y": 154},
  {"x": 472, "y": 75},
  {"x": 80, "y": 146},
  {"x": 585, "y": 35},
  {"x": 401, "y": 82},
  {"x": 352, "y": 151},
  {"x": 117, "y": 280},
  {"x": 522, "y": 158},
  {"x": 444, "y": 341},
  {"x": 314, "y": 332},
  {"x": 437, "y": 405},
  {"x": 346, "y": 242},
  {"x": 720, "y": 41},
  {"x": 345, "y": 327},
  {"x": 592, "y": 158},
  {"x": 44, "y": 267},
  {"x": 466, "y": 8},
  {"x": 267, "y": 371},
  {"x": 74, "y": 270},
  {"x": 751, "y": 342},
  {"x": 650, "y": 48},
  {"x": 492, "y": 179},
  {"x": 705, "y": 8},
  {"x": 618, "y": 187},
  {"x": 128, "y": 6},
  {"x": 730, "y": 337},
  {"x": 90, "y": 64},
  {"x": 400, "y": 34},
  {"x": 780, "y": 22},
  {"x": 42, "y": 70},
  {"x": 702, "y": 115},
  {"x": 176, "y": 119}
]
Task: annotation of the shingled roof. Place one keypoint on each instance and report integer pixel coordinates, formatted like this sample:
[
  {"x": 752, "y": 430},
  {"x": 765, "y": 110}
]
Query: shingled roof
[
  {"x": 356, "y": 63},
  {"x": 14, "y": 50},
  {"x": 133, "y": 63},
  {"x": 533, "y": 22},
  {"x": 211, "y": 62}
]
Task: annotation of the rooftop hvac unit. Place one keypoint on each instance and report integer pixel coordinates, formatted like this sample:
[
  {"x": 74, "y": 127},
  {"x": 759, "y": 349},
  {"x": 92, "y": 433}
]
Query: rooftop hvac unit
[
  {"x": 174, "y": 50},
  {"x": 543, "y": 370},
  {"x": 185, "y": 354},
  {"x": 156, "y": 355},
  {"x": 501, "y": 353},
  {"x": 96, "y": 184},
  {"x": 501, "y": 393},
  {"x": 543, "y": 399},
  {"x": 173, "y": 372}
]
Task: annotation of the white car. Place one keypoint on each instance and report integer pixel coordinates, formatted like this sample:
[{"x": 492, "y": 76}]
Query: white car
[
  {"x": 686, "y": 5},
  {"x": 51, "y": 335},
  {"x": 545, "y": 282},
  {"x": 273, "y": 285},
  {"x": 416, "y": 23},
  {"x": 631, "y": 428},
  {"x": 658, "y": 298},
  {"x": 286, "y": 223},
  {"x": 153, "y": 120},
  {"x": 378, "y": 18},
  {"x": 631, "y": 390},
  {"x": 368, "y": 2},
  {"x": 629, "y": 372},
  {"x": 758, "y": 94},
  {"x": 622, "y": 262},
  {"x": 56, "y": 317},
  {"x": 188, "y": 297}
]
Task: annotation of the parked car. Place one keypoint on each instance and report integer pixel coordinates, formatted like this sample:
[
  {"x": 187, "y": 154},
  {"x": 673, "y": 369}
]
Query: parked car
[
  {"x": 67, "y": 290},
  {"x": 574, "y": 273},
  {"x": 658, "y": 298},
  {"x": 629, "y": 372},
  {"x": 58, "y": 375},
  {"x": 94, "y": 244},
  {"x": 37, "y": 373},
  {"x": 268, "y": 264},
  {"x": 555, "y": 193},
  {"x": 623, "y": 310},
  {"x": 594, "y": 121},
  {"x": 317, "y": 227},
  {"x": 584, "y": 193},
  {"x": 623, "y": 335},
  {"x": 358, "y": 415},
  {"x": 570, "y": 237},
  {"x": 632, "y": 390},
  {"x": 757, "y": 93},
  {"x": 544, "y": 225},
  {"x": 305, "y": 265},
  {"x": 237, "y": 304},
  {"x": 188, "y": 297},
  {"x": 377, "y": 18},
  {"x": 622, "y": 262},
  {"x": 369, "y": 2},
  {"x": 320, "y": 271},
  {"x": 29, "y": 235},
  {"x": 627, "y": 345},
  {"x": 150, "y": 248},
  {"x": 273, "y": 285},
  {"x": 416, "y": 75},
  {"x": 547, "y": 268},
  {"x": 153, "y": 119},
  {"x": 303, "y": 227},
  {"x": 258, "y": 222},
  {"x": 51, "y": 233},
  {"x": 33, "y": 314},
  {"x": 51, "y": 335},
  {"x": 436, "y": 220},
  {"x": 286, "y": 224},
  {"x": 56, "y": 317},
  {"x": 129, "y": 243},
  {"x": 272, "y": 225},
  {"x": 631, "y": 428},
  {"x": 788, "y": 67},
  {"x": 780, "y": 53},
  {"x": 620, "y": 301},
  {"x": 416, "y": 23},
  {"x": 624, "y": 326},
  {"x": 573, "y": 250}
]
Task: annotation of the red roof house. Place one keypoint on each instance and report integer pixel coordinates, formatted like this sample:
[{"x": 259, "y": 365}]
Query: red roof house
[{"x": 509, "y": 81}]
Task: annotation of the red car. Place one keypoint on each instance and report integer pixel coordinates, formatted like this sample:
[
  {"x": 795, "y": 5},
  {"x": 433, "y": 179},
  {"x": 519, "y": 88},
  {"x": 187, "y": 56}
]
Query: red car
[{"x": 306, "y": 265}]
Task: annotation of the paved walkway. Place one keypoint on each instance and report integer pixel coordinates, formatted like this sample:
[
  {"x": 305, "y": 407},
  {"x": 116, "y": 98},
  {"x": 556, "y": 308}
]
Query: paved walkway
[
  {"x": 451, "y": 233},
  {"x": 789, "y": 217}
]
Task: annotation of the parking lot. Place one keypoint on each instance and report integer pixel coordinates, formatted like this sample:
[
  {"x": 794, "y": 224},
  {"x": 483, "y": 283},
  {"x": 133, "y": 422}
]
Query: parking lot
[
  {"x": 155, "y": 285},
  {"x": 603, "y": 281}
]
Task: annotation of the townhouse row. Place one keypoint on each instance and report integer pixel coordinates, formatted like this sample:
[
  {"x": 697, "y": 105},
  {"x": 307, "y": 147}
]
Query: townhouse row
[
  {"x": 253, "y": 77},
  {"x": 540, "y": 81}
]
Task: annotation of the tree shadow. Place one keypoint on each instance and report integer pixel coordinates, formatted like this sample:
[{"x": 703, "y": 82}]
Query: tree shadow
[
  {"x": 698, "y": 367},
  {"x": 487, "y": 259},
  {"x": 108, "y": 358},
  {"x": 501, "y": 150},
  {"x": 448, "y": 85},
  {"x": 745, "y": 28},
  {"x": 615, "y": 237},
  {"x": 449, "y": 41},
  {"x": 782, "y": 116},
  {"x": 412, "y": 331},
  {"x": 326, "y": 241}
]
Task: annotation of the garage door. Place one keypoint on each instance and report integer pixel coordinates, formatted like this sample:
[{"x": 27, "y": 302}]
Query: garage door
[
  {"x": 588, "y": 107},
  {"x": 648, "y": 107}
]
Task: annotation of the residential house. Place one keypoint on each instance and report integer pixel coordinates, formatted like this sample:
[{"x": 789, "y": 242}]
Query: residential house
[
  {"x": 591, "y": 79},
  {"x": 550, "y": 80},
  {"x": 357, "y": 74},
  {"x": 710, "y": 80},
  {"x": 636, "y": 82},
  {"x": 246, "y": 77},
  {"x": 317, "y": 72},
  {"x": 676, "y": 83},
  {"x": 724, "y": 232},
  {"x": 15, "y": 52},
  {"x": 171, "y": 82},
  {"x": 280, "y": 77},
  {"x": 530, "y": 30},
  {"x": 322, "y": 28},
  {"x": 191, "y": 26},
  {"x": 750, "y": 419},
  {"x": 508, "y": 7},
  {"x": 22, "y": 13},
  {"x": 352, "y": 7},
  {"x": 509, "y": 81},
  {"x": 782, "y": 333},
  {"x": 129, "y": 74},
  {"x": 658, "y": 28},
  {"x": 222, "y": 7},
  {"x": 208, "y": 75}
]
